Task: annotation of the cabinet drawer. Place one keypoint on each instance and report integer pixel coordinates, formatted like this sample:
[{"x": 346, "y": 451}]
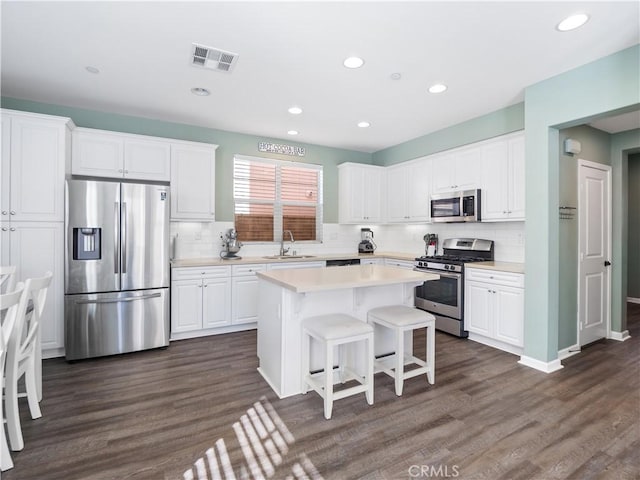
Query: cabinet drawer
[
  {"x": 495, "y": 277},
  {"x": 247, "y": 270},
  {"x": 201, "y": 272},
  {"x": 391, "y": 262}
]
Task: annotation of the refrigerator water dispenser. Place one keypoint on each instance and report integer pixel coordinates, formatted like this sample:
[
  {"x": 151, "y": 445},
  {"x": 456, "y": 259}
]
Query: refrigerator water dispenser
[{"x": 86, "y": 243}]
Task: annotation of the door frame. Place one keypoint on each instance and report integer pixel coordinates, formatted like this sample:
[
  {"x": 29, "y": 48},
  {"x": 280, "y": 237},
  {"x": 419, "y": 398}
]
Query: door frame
[{"x": 608, "y": 169}]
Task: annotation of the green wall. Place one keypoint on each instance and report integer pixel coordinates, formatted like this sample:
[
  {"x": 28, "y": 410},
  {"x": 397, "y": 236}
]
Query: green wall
[
  {"x": 500, "y": 122},
  {"x": 229, "y": 144},
  {"x": 622, "y": 145},
  {"x": 633, "y": 263},
  {"x": 596, "y": 147},
  {"x": 607, "y": 86}
]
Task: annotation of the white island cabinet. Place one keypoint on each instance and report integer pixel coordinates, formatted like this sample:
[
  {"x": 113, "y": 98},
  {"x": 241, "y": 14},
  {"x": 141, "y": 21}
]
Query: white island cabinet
[{"x": 287, "y": 297}]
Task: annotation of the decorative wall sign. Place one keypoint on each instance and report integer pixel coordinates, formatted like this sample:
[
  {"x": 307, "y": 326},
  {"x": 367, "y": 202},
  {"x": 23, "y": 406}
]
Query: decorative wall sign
[{"x": 281, "y": 149}]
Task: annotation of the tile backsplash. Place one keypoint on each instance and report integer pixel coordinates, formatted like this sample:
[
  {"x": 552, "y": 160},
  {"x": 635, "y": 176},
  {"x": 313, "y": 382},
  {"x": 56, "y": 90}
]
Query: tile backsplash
[{"x": 197, "y": 240}]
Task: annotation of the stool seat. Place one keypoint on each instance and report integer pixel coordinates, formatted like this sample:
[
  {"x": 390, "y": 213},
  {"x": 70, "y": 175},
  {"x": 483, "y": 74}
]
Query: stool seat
[
  {"x": 401, "y": 319},
  {"x": 335, "y": 326},
  {"x": 337, "y": 331},
  {"x": 401, "y": 315}
]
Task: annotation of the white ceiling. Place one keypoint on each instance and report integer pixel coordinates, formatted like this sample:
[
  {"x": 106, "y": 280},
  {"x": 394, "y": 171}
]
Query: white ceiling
[{"x": 291, "y": 53}]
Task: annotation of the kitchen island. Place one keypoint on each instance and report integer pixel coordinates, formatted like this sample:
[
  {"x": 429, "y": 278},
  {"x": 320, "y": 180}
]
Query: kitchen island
[{"x": 286, "y": 297}]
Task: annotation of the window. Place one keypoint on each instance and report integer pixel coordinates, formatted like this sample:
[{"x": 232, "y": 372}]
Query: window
[{"x": 271, "y": 196}]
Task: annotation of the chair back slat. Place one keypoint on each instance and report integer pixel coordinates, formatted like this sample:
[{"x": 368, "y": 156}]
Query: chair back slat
[
  {"x": 12, "y": 306},
  {"x": 7, "y": 278},
  {"x": 27, "y": 326}
]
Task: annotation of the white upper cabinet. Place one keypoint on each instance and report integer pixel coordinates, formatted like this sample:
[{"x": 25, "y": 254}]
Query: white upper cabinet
[
  {"x": 35, "y": 149},
  {"x": 457, "y": 170},
  {"x": 193, "y": 170},
  {"x": 361, "y": 190},
  {"x": 99, "y": 153},
  {"x": 503, "y": 178},
  {"x": 408, "y": 191}
]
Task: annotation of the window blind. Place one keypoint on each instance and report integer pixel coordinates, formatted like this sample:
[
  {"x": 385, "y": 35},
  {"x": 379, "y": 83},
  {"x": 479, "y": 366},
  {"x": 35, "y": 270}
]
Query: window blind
[{"x": 271, "y": 196}]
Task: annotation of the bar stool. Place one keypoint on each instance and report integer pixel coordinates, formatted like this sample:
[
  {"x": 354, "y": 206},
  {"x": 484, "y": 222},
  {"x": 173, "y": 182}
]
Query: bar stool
[
  {"x": 401, "y": 319},
  {"x": 331, "y": 331}
]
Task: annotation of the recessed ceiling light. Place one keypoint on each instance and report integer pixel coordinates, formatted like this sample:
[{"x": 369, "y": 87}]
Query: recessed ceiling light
[
  {"x": 91, "y": 69},
  {"x": 292, "y": 132},
  {"x": 437, "y": 88},
  {"x": 201, "y": 92},
  {"x": 364, "y": 124},
  {"x": 295, "y": 110},
  {"x": 572, "y": 22},
  {"x": 353, "y": 62}
]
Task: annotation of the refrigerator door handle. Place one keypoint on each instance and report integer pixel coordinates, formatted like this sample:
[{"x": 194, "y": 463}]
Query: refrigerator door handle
[
  {"x": 124, "y": 237},
  {"x": 116, "y": 237},
  {"x": 118, "y": 300}
]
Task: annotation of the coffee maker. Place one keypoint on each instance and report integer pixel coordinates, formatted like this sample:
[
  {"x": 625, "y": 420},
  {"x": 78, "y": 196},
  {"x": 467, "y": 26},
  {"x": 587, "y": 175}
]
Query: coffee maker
[
  {"x": 431, "y": 244},
  {"x": 366, "y": 245}
]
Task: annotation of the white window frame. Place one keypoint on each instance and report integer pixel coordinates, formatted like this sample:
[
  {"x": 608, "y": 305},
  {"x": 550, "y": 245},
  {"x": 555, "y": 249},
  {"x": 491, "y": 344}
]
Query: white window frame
[{"x": 278, "y": 203}]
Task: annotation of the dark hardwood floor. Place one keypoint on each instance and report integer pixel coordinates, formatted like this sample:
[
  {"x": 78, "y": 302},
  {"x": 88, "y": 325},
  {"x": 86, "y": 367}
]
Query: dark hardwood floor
[{"x": 151, "y": 415}]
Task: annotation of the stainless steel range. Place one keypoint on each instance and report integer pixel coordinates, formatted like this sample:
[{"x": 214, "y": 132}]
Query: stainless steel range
[{"x": 444, "y": 298}]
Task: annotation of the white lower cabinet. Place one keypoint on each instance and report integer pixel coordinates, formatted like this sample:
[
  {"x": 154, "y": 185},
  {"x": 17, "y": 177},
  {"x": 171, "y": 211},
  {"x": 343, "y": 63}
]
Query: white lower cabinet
[
  {"x": 212, "y": 300},
  {"x": 35, "y": 248},
  {"x": 244, "y": 293},
  {"x": 392, "y": 262},
  {"x": 494, "y": 308},
  {"x": 200, "y": 299},
  {"x": 372, "y": 261}
]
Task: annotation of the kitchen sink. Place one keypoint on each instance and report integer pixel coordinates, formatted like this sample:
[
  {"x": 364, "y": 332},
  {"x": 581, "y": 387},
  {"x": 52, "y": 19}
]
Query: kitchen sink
[{"x": 284, "y": 257}]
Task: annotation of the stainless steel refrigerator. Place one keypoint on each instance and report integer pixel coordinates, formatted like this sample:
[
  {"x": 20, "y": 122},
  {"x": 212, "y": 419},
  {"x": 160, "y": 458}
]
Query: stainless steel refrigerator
[{"x": 116, "y": 267}]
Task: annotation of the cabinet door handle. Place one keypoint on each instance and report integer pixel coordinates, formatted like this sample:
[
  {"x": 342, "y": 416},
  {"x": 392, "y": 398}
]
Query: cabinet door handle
[
  {"x": 13, "y": 229},
  {"x": 13, "y": 212},
  {"x": 4, "y": 229},
  {"x": 4, "y": 212},
  {"x": 119, "y": 170}
]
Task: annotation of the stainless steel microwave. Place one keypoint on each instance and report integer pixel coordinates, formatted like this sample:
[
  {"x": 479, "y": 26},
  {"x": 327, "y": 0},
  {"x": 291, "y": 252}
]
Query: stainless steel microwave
[{"x": 462, "y": 206}]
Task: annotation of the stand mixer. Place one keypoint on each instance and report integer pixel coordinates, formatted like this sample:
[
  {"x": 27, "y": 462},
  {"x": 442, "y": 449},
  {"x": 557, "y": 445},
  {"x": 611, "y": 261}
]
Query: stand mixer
[{"x": 231, "y": 245}]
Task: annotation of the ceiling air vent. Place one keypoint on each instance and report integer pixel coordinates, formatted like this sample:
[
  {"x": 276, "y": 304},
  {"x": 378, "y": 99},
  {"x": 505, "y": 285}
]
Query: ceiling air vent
[{"x": 213, "y": 58}]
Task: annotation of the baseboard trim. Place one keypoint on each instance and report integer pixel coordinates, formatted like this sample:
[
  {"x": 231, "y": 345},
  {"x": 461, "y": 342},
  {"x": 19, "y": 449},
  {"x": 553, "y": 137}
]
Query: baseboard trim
[
  {"x": 546, "y": 367},
  {"x": 568, "y": 352},
  {"x": 620, "y": 336},
  {"x": 633, "y": 300}
]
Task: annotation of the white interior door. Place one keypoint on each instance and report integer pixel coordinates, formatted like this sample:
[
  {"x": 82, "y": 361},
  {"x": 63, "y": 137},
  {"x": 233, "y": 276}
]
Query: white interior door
[{"x": 594, "y": 277}]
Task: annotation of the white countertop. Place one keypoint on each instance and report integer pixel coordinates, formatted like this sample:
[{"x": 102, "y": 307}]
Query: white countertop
[
  {"x": 304, "y": 280},
  {"x": 216, "y": 261},
  {"x": 511, "y": 267}
]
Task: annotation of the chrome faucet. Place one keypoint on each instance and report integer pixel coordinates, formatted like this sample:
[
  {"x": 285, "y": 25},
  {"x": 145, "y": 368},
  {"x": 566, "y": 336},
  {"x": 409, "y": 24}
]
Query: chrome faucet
[{"x": 283, "y": 251}]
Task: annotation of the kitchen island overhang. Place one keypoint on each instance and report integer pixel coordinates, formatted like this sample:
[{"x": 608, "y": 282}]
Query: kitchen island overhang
[{"x": 286, "y": 297}]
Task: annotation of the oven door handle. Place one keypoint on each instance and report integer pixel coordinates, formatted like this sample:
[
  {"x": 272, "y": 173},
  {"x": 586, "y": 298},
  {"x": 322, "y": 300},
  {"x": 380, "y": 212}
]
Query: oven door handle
[{"x": 439, "y": 272}]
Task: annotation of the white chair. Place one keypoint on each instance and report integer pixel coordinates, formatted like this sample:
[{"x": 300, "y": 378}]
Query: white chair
[
  {"x": 401, "y": 319},
  {"x": 22, "y": 355},
  {"x": 7, "y": 278},
  {"x": 12, "y": 305},
  {"x": 331, "y": 331}
]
